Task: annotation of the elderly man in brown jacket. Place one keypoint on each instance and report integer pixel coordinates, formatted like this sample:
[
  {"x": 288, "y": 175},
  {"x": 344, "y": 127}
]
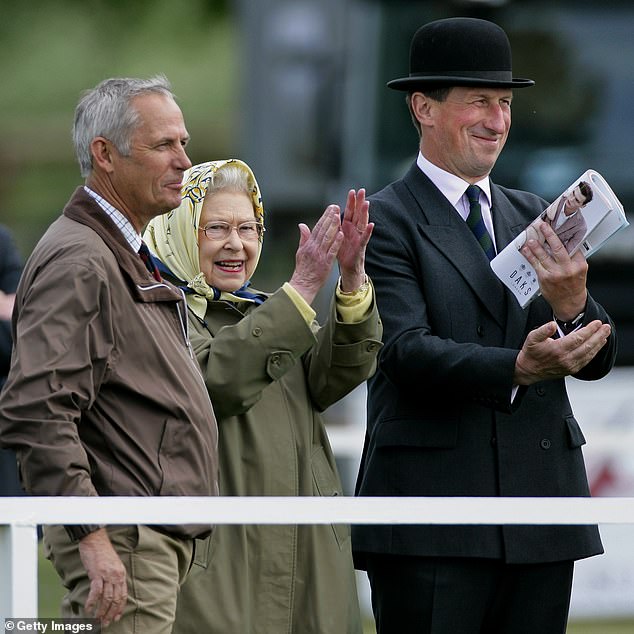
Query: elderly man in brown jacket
[{"x": 104, "y": 395}]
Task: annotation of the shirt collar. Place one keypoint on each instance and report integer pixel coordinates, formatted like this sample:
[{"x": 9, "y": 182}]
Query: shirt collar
[
  {"x": 123, "y": 224},
  {"x": 451, "y": 186}
]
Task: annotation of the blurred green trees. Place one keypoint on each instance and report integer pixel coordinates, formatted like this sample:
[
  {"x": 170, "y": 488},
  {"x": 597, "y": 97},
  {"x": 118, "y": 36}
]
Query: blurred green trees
[{"x": 50, "y": 52}]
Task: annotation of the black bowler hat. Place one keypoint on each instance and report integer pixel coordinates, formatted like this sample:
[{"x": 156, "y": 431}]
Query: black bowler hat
[{"x": 459, "y": 52}]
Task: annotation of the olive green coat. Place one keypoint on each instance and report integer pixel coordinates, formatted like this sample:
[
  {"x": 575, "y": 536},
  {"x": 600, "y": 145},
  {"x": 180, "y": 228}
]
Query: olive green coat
[{"x": 269, "y": 375}]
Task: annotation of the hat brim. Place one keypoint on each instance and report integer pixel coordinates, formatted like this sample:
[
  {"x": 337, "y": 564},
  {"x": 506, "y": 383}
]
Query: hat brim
[{"x": 412, "y": 83}]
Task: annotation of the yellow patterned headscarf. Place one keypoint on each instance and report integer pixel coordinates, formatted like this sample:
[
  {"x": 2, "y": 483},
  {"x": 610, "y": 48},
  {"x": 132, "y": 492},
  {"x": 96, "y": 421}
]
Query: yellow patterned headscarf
[{"x": 173, "y": 236}]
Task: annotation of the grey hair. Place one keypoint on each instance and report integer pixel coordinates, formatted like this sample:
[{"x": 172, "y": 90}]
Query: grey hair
[
  {"x": 230, "y": 178},
  {"x": 106, "y": 111}
]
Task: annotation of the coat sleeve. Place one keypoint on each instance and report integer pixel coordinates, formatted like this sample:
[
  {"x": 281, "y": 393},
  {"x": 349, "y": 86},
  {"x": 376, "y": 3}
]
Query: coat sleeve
[
  {"x": 63, "y": 342},
  {"x": 345, "y": 355},
  {"x": 241, "y": 359}
]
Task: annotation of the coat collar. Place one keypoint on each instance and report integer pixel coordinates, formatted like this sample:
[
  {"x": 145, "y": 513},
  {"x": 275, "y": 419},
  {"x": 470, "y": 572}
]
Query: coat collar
[{"x": 82, "y": 208}]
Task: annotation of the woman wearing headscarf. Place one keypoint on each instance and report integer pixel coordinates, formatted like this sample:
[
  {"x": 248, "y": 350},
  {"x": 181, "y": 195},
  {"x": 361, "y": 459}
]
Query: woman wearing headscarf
[{"x": 270, "y": 369}]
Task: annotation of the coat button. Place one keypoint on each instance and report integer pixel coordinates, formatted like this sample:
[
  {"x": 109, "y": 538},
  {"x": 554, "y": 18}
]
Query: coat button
[
  {"x": 371, "y": 347},
  {"x": 545, "y": 443},
  {"x": 257, "y": 331},
  {"x": 540, "y": 391},
  {"x": 480, "y": 331},
  {"x": 275, "y": 359},
  {"x": 494, "y": 441}
]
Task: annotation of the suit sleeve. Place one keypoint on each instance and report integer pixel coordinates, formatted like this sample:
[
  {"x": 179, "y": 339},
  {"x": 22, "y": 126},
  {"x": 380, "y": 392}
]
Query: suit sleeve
[{"x": 606, "y": 357}]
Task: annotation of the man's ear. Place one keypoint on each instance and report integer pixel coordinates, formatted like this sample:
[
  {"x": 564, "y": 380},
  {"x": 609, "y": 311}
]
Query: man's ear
[
  {"x": 101, "y": 150},
  {"x": 421, "y": 108}
]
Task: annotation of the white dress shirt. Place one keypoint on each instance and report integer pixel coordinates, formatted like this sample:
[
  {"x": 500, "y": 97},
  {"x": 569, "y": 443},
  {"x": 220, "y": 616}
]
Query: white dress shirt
[{"x": 453, "y": 189}]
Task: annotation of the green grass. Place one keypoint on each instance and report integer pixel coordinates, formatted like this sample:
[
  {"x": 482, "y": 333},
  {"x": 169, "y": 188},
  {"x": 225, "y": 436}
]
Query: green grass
[{"x": 50, "y": 590}]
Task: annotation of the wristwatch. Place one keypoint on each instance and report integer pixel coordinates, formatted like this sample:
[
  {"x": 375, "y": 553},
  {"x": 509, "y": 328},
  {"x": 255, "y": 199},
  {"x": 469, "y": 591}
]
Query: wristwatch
[{"x": 569, "y": 326}]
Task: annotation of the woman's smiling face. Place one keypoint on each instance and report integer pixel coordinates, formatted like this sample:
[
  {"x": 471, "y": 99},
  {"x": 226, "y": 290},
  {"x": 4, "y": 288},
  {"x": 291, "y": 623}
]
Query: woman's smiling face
[{"x": 229, "y": 262}]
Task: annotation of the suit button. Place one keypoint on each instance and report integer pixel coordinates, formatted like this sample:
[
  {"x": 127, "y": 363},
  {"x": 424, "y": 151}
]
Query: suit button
[
  {"x": 480, "y": 331},
  {"x": 540, "y": 391},
  {"x": 494, "y": 441},
  {"x": 545, "y": 443}
]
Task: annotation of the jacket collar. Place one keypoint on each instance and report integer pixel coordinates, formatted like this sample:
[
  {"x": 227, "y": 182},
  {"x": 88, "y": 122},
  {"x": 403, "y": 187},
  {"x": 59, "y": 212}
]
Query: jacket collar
[{"x": 82, "y": 208}]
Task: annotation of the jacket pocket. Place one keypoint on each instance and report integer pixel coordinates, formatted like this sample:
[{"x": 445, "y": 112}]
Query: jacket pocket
[
  {"x": 181, "y": 469},
  {"x": 414, "y": 432},
  {"x": 575, "y": 435},
  {"x": 202, "y": 549},
  {"x": 327, "y": 483}
]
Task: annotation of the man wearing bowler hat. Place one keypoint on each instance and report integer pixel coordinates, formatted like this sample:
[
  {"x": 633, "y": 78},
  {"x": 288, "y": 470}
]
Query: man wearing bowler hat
[{"x": 469, "y": 398}]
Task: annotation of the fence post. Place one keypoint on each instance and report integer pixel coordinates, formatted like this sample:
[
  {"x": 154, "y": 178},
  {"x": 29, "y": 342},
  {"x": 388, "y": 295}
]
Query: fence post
[{"x": 18, "y": 574}]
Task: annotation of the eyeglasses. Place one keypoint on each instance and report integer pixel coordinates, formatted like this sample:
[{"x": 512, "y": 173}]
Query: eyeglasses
[{"x": 247, "y": 231}]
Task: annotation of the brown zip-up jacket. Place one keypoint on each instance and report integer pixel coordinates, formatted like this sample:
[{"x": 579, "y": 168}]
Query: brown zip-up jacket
[{"x": 104, "y": 396}]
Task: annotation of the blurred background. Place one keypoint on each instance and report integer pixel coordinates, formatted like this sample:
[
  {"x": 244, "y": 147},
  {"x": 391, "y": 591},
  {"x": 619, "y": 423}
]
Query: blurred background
[{"x": 297, "y": 89}]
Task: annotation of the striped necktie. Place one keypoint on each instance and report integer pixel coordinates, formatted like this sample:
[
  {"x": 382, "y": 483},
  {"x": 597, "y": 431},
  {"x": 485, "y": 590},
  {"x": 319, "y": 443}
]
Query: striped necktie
[
  {"x": 476, "y": 223},
  {"x": 149, "y": 262}
]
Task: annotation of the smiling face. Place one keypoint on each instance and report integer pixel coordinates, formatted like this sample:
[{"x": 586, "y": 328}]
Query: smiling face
[
  {"x": 148, "y": 181},
  {"x": 465, "y": 133},
  {"x": 227, "y": 263}
]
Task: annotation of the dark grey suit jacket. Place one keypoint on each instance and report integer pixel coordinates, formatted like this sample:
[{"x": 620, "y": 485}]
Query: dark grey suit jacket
[{"x": 440, "y": 417}]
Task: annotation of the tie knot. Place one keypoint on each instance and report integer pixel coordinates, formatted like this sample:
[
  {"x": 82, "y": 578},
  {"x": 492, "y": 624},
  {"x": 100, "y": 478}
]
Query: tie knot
[
  {"x": 473, "y": 194},
  {"x": 149, "y": 262}
]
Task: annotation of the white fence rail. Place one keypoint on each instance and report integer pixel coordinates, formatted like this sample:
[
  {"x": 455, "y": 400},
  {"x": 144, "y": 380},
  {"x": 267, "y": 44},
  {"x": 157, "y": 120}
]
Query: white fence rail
[{"x": 20, "y": 516}]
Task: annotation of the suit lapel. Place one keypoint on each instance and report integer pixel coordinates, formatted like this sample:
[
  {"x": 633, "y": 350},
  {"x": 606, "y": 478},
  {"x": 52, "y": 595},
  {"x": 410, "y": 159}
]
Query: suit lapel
[
  {"x": 507, "y": 224},
  {"x": 446, "y": 231}
]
